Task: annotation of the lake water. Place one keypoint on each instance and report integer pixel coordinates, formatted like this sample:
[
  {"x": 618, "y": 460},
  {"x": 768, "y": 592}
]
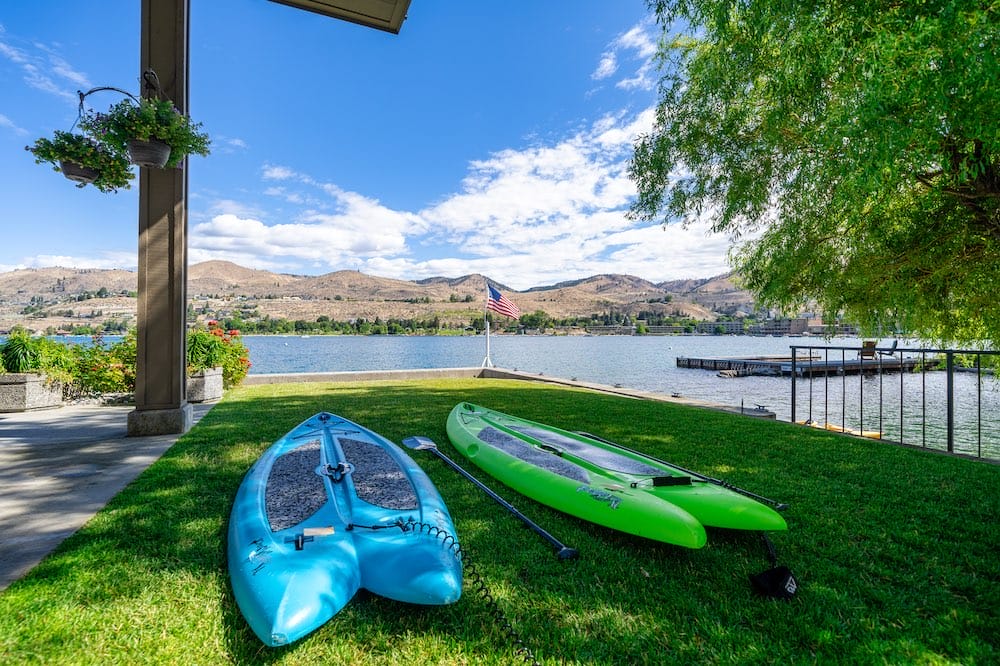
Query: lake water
[{"x": 649, "y": 363}]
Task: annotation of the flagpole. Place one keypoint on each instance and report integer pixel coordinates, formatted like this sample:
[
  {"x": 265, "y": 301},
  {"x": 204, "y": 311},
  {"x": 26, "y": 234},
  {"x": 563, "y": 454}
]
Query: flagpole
[{"x": 487, "y": 362}]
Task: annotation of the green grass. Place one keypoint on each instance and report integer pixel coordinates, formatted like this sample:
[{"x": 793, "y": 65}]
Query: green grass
[{"x": 896, "y": 550}]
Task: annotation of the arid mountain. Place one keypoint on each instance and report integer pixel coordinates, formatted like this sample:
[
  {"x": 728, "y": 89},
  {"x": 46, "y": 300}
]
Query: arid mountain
[
  {"x": 62, "y": 298},
  {"x": 225, "y": 278},
  {"x": 718, "y": 294},
  {"x": 50, "y": 283}
]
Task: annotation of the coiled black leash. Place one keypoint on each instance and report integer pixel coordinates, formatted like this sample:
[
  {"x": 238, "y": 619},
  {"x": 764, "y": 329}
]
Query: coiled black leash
[{"x": 448, "y": 541}]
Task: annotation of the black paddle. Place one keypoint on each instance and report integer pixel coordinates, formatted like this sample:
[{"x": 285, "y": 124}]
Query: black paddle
[
  {"x": 779, "y": 506},
  {"x": 418, "y": 443}
]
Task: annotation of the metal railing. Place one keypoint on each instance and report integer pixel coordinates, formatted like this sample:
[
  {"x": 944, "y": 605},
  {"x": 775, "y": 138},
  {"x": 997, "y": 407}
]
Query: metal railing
[{"x": 946, "y": 399}]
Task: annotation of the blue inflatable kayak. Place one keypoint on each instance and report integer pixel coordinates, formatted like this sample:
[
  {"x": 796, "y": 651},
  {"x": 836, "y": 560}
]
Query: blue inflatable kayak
[{"x": 330, "y": 508}]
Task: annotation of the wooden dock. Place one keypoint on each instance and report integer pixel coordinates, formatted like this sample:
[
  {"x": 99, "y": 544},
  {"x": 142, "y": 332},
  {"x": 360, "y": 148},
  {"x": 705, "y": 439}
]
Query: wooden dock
[{"x": 781, "y": 366}]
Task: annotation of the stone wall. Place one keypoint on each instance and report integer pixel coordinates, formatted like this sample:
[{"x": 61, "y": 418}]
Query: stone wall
[{"x": 21, "y": 392}]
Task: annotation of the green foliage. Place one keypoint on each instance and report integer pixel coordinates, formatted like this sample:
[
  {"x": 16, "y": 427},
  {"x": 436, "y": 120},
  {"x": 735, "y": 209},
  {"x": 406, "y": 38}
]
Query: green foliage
[
  {"x": 19, "y": 354},
  {"x": 214, "y": 347},
  {"x": 87, "y": 370},
  {"x": 100, "y": 368},
  {"x": 325, "y": 325},
  {"x": 23, "y": 353},
  {"x": 204, "y": 350},
  {"x": 855, "y": 144},
  {"x": 537, "y": 319},
  {"x": 149, "y": 119},
  {"x": 112, "y": 166}
]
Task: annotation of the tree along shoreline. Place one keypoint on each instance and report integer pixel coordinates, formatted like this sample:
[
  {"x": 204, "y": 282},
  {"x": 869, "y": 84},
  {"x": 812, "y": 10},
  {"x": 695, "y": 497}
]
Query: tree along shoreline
[{"x": 535, "y": 323}]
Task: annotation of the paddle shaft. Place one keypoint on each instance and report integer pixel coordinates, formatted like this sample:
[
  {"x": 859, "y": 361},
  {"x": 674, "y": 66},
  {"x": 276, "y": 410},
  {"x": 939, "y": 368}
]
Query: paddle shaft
[
  {"x": 564, "y": 552},
  {"x": 777, "y": 505}
]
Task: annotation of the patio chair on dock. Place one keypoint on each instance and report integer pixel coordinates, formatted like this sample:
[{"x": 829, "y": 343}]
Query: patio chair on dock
[
  {"x": 891, "y": 351},
  {"x": 867, "y": 350}
]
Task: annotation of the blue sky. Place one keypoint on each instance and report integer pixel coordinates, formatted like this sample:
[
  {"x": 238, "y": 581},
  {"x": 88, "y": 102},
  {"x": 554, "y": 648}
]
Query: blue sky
[{"x": 484, "y": 138}]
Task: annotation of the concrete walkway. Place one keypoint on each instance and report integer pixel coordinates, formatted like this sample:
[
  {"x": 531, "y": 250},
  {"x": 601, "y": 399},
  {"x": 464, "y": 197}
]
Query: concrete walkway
[{"x": 58, "y": 467}]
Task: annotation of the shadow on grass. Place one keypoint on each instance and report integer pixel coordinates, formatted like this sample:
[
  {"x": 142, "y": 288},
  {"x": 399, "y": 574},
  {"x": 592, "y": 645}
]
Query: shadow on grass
[{"x": 896, "y": 549}]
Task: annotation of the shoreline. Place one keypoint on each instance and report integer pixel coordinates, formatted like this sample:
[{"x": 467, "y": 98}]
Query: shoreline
[{"x": 493, "y": 373}]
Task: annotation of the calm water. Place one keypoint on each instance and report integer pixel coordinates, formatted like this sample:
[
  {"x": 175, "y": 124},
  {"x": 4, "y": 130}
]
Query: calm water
[
  {"x": 649, "y": 363},
  {"x": 640, "y": 362}
]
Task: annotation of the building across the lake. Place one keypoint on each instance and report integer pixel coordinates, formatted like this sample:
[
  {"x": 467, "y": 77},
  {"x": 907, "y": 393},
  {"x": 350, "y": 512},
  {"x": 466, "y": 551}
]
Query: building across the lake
[{"x": 787, "y": 326}]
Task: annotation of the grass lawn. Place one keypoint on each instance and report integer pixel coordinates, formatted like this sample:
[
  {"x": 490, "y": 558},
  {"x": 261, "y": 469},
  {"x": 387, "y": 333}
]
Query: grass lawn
[{"x": 897, "y": 550}]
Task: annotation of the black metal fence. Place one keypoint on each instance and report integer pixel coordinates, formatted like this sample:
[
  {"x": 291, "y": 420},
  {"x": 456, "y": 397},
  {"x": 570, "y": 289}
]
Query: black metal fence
[{"x": 945, "y": 399}]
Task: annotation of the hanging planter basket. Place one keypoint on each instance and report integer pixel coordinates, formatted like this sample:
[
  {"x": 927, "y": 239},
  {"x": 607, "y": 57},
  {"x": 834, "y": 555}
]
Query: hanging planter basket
[
  {"x": 147, "y": 131},
  {"x": 152, "y": 154},
  {"x": 150, "y": 129},
  {"x": 84, "y": 159},
  {"x": 78, "y": 173}
]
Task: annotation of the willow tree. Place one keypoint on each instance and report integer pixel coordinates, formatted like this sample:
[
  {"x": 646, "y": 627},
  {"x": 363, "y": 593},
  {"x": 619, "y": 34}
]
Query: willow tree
[{"x": 851, "y": 148}]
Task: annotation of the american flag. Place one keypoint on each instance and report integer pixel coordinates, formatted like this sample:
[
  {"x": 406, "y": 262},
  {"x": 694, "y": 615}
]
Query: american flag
[{"x": 501, "y": 304}]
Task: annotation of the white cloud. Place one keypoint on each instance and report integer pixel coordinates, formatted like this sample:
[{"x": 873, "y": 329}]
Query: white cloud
[
  {"x": 360, "y": 229},
  {"x": 13, "y": 53},
  {"x": 526, "y": 217},
  {"x": 228, "y": 144},
  {"x": 606, "y": 67},
  {"x": 638, "y": 45},
  {"x": 233, "y": 207},
  {"x": 104, "y": 260},
  {"x": 9, "y": 124},
  {"x": 639, "y": 40},
  {"x": 45, "y": 70},
  {"x": 274, "y": 172},
  {"x": 64, "y": 70}
]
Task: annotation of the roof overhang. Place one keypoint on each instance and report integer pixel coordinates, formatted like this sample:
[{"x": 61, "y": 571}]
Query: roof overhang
[{"x": 385, "y": 15}]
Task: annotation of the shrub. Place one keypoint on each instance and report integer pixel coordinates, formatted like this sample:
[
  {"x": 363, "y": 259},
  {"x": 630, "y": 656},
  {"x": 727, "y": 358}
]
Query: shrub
[
  {"x": 24, "y": 353},
  {"x": 214, "y": 346},
  {"x": 104, "y": 369}
]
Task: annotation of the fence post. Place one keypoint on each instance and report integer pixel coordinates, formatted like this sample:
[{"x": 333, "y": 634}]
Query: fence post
[
  {"x": 793, "y": 383},
  {"x": 950, "y": 367}
]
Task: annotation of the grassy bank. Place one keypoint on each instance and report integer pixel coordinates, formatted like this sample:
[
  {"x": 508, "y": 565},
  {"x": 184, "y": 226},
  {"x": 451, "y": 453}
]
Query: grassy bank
[{"x": 895, "y": 549}]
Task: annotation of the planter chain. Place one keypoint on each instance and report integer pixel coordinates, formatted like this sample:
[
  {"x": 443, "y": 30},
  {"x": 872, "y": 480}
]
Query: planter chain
[
  {"x": 150, "y": 84},
  {"x": 83, "y": 96}
]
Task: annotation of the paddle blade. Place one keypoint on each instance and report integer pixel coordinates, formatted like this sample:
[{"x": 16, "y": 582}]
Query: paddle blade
[{"x": 420, "y": 443}]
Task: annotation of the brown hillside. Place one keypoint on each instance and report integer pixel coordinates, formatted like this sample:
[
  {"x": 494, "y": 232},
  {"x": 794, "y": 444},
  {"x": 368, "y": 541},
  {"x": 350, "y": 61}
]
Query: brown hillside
[
  {"x": 62, "y": 298},
  {"x": 227, "y": 278},
  {"x": 52, "y": 283},
  {"x": 718, "y": 294}
]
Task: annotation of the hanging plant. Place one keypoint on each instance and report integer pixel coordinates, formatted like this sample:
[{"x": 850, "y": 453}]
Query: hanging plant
[
  {"x": 84, "y": 160},
  {"x": 147, "y": 131},
  {"x": 148, "y": 120}
]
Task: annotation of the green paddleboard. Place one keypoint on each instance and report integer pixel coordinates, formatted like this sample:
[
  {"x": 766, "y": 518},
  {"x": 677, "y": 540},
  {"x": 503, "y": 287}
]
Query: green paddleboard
[{"x": 596, "y": 481}]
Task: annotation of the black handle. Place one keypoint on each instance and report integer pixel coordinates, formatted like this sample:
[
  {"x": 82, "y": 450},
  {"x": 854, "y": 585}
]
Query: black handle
[{"x": 563, "y": 552}]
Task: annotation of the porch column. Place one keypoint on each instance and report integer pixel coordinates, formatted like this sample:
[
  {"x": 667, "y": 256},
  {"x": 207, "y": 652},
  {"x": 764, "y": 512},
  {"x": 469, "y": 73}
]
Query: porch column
[{"x": 161, "y": 405}]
